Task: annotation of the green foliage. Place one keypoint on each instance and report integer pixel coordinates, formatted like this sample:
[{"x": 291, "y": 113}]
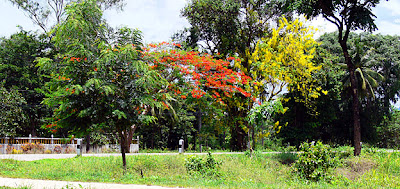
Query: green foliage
[
  {"x": 315, "y": 160},
  {"x": 11, "y": 114},
  {"x": 367, "y": 78},
  {"x": 205, "y": 167},
  {"x": 18, "y": 71},
  {"x": 389, "y": 131},
  {"x": 347, "y": 15},
  {"x": 375, "y": 56},
  {"x": 287, "y": 155},
  {"x": 262, "y": 118},
  {"x": 354, "y": 14},
  {"x": 230, "y": 28}
]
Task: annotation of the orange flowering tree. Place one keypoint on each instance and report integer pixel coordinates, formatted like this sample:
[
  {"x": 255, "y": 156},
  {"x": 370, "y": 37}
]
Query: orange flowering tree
[
  {"x": 115, "y": 83},
  {"x": 195, "y": 75},
  {"x": 203, "y": 82}
]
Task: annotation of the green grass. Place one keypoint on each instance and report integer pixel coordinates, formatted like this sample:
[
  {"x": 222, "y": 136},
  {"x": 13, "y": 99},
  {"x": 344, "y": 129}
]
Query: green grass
[{"x": 371, "y": 170}]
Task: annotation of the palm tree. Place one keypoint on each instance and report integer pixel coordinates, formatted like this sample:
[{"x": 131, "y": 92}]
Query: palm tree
[{"x": 367, "y": 79}]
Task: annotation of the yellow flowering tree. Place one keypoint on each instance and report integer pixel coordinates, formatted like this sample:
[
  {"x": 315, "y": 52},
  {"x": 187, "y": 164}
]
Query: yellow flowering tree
[{"x": 283, "y": 62}]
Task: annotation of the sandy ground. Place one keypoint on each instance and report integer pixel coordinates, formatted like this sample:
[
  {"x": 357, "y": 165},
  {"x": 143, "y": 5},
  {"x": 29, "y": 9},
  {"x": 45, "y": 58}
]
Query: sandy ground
[{"x": 50, "y": 184}]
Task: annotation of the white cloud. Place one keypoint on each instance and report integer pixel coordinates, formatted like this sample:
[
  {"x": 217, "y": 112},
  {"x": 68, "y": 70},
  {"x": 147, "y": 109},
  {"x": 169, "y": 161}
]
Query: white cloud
[
  {"x": 393, "y": 6},
  {"x": 388, "y": 28},
  {"x": 10, "y": 17},
  {"x": 157, "y": 19},
  {"x": 323, "y": 26}
]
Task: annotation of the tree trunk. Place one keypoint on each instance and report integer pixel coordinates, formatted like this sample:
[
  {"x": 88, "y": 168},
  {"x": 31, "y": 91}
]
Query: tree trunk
[
  {"x": 34, "y": 124},
  {"x": 356, "y": 102},
  {"x": 87, "y": 143},
  {"x": 254, "y": 139},
  {"x": 122, "y": 136},
  {"x": 129, "y": 137},
  {"x": 199, "y": 121}
]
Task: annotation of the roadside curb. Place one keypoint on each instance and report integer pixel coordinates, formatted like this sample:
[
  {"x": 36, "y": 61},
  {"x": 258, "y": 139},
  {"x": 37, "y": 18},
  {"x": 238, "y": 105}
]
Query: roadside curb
[{"x": 52, "y": 184}]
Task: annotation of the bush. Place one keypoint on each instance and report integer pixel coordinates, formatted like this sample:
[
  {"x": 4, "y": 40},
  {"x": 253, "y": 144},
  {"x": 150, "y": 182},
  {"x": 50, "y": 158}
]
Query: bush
[
  {"x": 57, "y": 149},
  {"x": 389, "y": 131},
  {"x": 69, "y": 150},
  {"x": 33, "y": 148},
  {"x": 206, "y": 167},
  {"x": 15, "y": 151},
  {"x": 315, "y": 161},
  {"x": 287, "y": 156},
  {"x": 253, "y": 153}
]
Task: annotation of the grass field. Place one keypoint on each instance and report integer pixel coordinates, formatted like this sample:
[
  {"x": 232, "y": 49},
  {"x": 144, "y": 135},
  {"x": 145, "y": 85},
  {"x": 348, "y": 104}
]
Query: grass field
[{"x": 370, "y": 170}]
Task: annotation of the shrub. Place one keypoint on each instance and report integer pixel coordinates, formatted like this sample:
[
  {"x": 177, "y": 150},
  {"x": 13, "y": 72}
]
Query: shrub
[
  {"x": 287, "y": 155},
  {"x": 33, "y": 148},
  {"x": 253, "y": 153},
  {"x": 9, "y": 149},
  {"x": 206, "y": 167},
  {"x": 315, "y": 161},
  {"x": 15, "y": 151},
  {"x": 57, "y": 149},
  {"x": 69, "y": 150},
  {"x": 389, "y": 131},
  {"x": 47, "y": 152}
]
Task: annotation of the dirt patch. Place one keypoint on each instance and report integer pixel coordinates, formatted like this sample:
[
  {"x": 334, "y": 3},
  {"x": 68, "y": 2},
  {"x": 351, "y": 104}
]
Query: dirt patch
[{"x": 355, "y": 167}]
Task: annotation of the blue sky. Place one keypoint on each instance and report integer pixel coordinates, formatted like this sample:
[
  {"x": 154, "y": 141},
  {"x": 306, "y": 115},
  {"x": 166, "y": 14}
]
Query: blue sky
[{"x": 159, "y": 19}]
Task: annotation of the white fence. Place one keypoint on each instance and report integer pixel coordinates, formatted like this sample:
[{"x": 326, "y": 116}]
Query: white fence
[{"x": 55, "y": 145}]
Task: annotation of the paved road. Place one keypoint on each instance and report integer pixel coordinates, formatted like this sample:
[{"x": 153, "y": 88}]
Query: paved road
[
  {"x": 44, "y": 184},
  {"x": 33, "y": 157}
]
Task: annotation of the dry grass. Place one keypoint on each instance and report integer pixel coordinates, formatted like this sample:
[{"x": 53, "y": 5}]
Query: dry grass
[{"x": 355, "y": 167}]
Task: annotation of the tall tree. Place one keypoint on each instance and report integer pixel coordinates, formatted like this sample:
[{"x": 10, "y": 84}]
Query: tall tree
[
  {"x": 18, "y": 71},
  {"x": 347, "y": 15},
  {"x": 283, "y": 63},
  {"x": 226, "y": 28},
  {"x": 368, "y": 79},
  {"x": 40, "y": 12},
  {"x": 111, "y": 80},
  {"x": 92, "y": 79},
  {"x": 11, "y": 114},
  {"x": 377, "y": 56}
]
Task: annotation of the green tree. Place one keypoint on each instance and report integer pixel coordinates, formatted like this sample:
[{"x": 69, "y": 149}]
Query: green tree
[
  {"x": 324, "y": 120},
  {"x": 96, "y": 79},
  {"x": 348, "y": 15},
  {"x": 110, "y": 80},
  {"x": 378, "y": 57},
  {"x": 226, "y": 28},
  {"x": 11, "y": 114},
  {"x": 262, "y": 120},
  {"x": 18, "y": 71},
  {"x": 283, "y": 62},
  {"x": 367, "y": 79}
]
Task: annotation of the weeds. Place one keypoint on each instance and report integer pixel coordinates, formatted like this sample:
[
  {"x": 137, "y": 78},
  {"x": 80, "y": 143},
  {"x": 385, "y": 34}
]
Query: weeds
[
  {"x": 370, "y": 170},
  {"x": 315, "y": 161},
  {"x": 205, "y": 167},
  {"x": 287, "y": 156}
]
